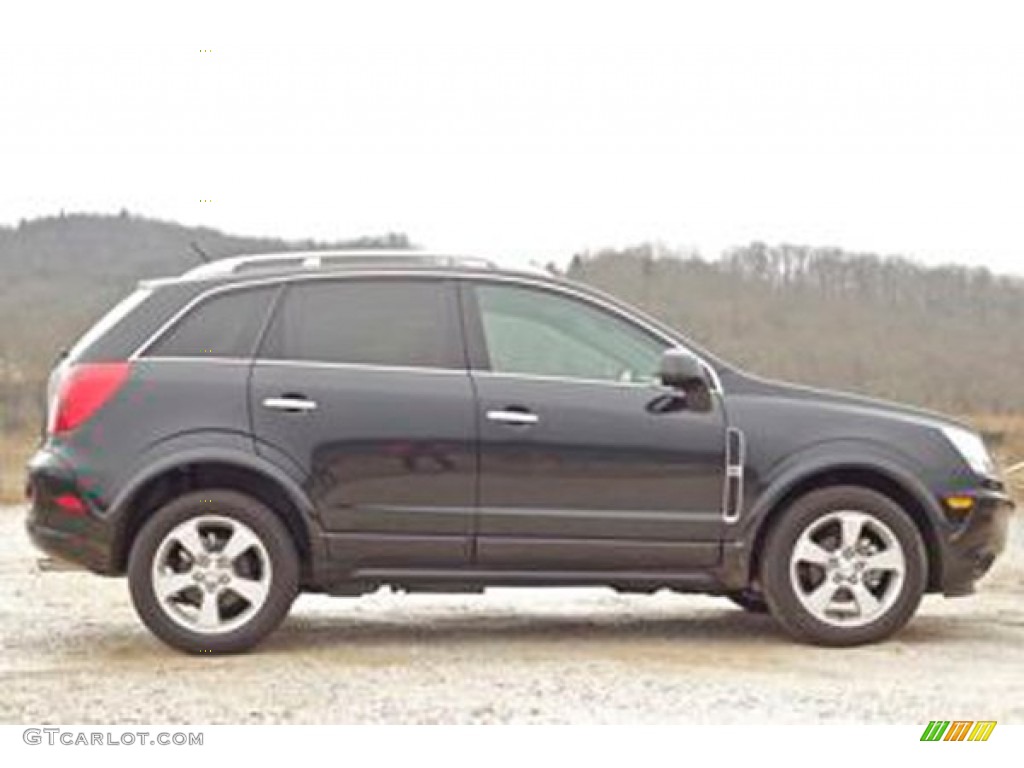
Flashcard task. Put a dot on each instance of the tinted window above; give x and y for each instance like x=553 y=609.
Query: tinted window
x=225 y=325
x=368 y=322
x=120 y=311
x=536 y=332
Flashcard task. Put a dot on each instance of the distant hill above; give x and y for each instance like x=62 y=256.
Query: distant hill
x=59 y=273
x=94 y=247
x=950 y=338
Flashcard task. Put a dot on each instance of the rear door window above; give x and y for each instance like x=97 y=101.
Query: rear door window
x=378 y=322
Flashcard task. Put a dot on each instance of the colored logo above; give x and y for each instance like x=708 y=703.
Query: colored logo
x=958 y=730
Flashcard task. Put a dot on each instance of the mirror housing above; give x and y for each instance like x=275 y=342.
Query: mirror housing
x=680 y=369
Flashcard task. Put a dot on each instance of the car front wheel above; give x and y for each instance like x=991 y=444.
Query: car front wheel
x=213 y=571
x=843 y=566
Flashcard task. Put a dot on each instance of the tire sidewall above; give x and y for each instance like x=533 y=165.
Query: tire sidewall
x=237 y=506
x=780 y=595
x=750 y=600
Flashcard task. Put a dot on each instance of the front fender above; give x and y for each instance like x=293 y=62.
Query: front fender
x=802 y=468
x=841 y=454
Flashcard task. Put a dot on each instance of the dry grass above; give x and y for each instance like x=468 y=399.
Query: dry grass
x=14 y=452
x=1005 y=432
x=1005 y=435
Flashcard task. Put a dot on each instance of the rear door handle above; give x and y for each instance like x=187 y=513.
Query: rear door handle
x=289 y=403
x=519 y=418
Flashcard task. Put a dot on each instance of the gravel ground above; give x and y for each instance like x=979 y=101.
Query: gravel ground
x=72 y=651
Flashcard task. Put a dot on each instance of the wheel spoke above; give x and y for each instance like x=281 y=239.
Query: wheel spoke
x=209 y=611
x=169 y=583
x=852 y=524
x=809 y=551
x=821 y=597
x=253 y=591
x=241 y=540
x=886 y=560
x=188 y=537
x=868 y=604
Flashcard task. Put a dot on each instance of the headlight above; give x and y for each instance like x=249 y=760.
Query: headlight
x=972 y=448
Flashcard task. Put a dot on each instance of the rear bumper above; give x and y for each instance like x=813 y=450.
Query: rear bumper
x=971 y=548
x=83 y=537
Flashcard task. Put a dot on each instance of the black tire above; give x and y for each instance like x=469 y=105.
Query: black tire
x=780 y=592
x=277 y=544
x=750 y=600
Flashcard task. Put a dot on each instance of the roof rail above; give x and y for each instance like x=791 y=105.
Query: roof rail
x=313 y=260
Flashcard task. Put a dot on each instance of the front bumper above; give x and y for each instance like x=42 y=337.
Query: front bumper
x=83 y=537
x=972 y=546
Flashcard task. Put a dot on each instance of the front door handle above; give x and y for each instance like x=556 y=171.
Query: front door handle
x=518 y=418
x=289 y=403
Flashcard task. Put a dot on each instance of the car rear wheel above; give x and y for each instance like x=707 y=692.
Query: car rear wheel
x=843 y=566
x=213 y=572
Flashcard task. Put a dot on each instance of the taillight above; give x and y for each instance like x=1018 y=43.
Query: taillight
x=70 y=503
x=81 y=391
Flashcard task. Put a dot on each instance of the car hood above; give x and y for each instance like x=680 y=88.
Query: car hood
x=743 y=384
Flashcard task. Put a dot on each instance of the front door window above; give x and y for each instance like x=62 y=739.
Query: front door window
x=533 y=332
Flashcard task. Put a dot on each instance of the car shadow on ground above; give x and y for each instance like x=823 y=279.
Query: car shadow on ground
x=723 y=627
x=485 y=627
x=389 y=634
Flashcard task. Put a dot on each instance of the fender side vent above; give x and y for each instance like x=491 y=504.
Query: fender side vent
x=735 y=458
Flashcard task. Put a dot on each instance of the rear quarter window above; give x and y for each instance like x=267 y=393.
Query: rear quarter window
x=222 y=325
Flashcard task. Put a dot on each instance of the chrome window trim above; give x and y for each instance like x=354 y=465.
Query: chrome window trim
x=446 y=274
x=186 y=359
x=256 y=361
x=652 y=385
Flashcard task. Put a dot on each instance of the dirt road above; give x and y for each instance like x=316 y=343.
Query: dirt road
x=72 y=651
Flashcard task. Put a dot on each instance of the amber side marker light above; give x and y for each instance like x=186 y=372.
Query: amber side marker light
x=959 y=506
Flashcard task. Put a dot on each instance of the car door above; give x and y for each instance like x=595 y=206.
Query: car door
x=361 y=383
x=586 y=462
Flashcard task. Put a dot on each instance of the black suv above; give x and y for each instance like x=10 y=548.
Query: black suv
x=336 y=422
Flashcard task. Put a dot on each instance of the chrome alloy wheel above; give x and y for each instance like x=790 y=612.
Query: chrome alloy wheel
x=847 y=568
x=211 y=574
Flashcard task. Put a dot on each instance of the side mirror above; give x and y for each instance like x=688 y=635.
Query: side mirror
x=680 y=369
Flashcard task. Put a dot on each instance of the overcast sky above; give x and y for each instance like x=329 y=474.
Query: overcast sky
x=530 y=130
